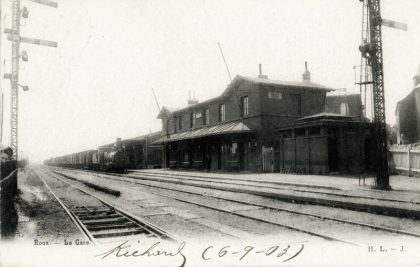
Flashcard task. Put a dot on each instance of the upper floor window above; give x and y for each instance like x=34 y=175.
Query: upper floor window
x=175 y=123
x=180 y=123
x=222 y=112
x=344 y=109
x=296 y=103
x=244 y=106
x=192 y=120
x=167 y=126
x=275 y=95
x=206 y=116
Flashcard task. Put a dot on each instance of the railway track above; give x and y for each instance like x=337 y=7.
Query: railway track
x=324 y=190
x=103 y=222
x=313 y=215
x=337 y=200
x=289 y=227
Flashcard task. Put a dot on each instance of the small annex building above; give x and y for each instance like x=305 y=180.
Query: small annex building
x=325 y=143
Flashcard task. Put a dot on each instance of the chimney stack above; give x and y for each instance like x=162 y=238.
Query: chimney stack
x=416 y=79
x=306 y=75
x=191 y=101
x=261 y=75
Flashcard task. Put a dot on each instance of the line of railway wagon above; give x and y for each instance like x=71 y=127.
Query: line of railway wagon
x=134 y=153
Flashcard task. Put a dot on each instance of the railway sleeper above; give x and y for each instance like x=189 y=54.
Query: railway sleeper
x=110 y=226
x=81 y=214
x=105 y=221
x=111 y=233
x=98 y=216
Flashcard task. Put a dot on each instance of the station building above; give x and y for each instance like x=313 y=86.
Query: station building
x=241 y=129
x=408 y=115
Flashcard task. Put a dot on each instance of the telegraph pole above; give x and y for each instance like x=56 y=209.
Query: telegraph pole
x=16 y=39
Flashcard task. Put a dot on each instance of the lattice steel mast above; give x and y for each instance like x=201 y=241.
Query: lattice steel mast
x=16 y=39
x=372 y=51
x=15 y=77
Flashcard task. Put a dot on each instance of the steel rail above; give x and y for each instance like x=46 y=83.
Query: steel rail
x=329 y=238
x=269 y=187
x=159 y=232
x=75 y=220
x=186 y=177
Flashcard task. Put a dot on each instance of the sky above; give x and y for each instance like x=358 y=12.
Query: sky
x=97 y=84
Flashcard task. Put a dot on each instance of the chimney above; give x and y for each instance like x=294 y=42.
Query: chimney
x=191 y=101
x=118 y=143
x=416 y=79
x=261 y=76
x=306 y=75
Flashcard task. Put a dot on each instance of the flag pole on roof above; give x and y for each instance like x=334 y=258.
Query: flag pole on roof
x=224 y=60
x=157 y=103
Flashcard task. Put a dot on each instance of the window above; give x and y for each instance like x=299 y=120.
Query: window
x=344 y=109
x=315 y=130
x=180 y=123
x=296 y=104
x=167 y=126
x=222 y=115
x=234 y=148
x=192 y=120
x=175 y=122
x=206 y=116
x=244 y=106
x=275 y=95
x=300 y=132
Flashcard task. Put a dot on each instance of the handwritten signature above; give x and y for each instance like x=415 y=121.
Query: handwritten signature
x=122 y=250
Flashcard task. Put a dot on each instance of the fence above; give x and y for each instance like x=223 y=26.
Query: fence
x=405 y=160
x=8 y=186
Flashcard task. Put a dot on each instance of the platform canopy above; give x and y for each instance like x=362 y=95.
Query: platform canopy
x=219 y=129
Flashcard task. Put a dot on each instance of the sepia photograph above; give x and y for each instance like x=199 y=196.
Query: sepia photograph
x=209 y=133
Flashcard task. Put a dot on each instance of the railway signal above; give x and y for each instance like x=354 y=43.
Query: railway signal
x=16 y=39
x=372 y=66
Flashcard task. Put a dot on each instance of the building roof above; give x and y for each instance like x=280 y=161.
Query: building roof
x=326 y=115
x=326 y=118
x=143 y=137
x=151 y=136
x=355 y=95
x=219 y=129
x=304 y=84
x=238 y=78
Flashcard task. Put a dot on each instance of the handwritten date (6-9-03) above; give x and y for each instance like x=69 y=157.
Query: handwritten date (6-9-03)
x=285 y=253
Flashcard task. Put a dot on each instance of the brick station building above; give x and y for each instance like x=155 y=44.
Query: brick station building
x=239 y=129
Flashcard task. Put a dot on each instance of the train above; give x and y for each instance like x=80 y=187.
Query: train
x=120 y=156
